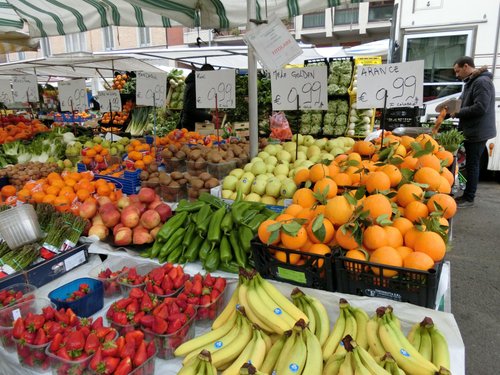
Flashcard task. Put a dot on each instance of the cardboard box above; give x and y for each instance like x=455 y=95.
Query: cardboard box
x=44 y=272
x=205 y=128
x=242 y=129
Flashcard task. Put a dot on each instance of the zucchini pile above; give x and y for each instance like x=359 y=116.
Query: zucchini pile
x=212 y=231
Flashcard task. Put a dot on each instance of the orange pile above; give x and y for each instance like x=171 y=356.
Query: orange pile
x=95 y=154
x=141 y=154
x=179 y=137
x=11 y=133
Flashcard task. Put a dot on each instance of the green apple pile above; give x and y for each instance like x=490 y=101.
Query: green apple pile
x=268 y=177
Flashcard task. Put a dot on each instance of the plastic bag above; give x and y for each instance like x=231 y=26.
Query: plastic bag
x=280 y=129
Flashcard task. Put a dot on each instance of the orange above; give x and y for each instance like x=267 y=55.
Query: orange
x=38 y=196
x=358 y=255
x=377 y=181
x=293 y=209
x=418 y=261
x=284 y=218
x=294 y=242
x=416 y=211
x=99 y=158
x=394 y=236
x=376 y=205
x=409 y=162
x=70 y=182
x=53 y=176
x=61 y=204
x=90 y=153
x=448 y=175
x=444 y=186
x=58 y=183
x=354 y=157
x=364 y=148
x=406 y=141
x=430 y=161
x=320 y=249
x=386 y=255
x=432 y=244
x=302 y=175
x=408 y=193
x=342 y=179
x=445 y=156
x=103 y=190
x=355 y=174
x=139 y=164
x=326 y=186
x=318 y=171
x=97 y=148
x=374 y=237
x=338 y=210
x=333 y=168
x=282 y=257
x=402 y=224
x=428 y=176
x=8 y=191
x=442 y=202
x=104 y=152
x=423 y=139
x=304 y=197
x=326 y=231
x=345 y=239
x=49 y=198
x=24 y=195
x=264 y=234
x=307 y=246
x=393 y=173
x=410 y=237
x=75 y=176
x=306 y=213
x=404 y=251
x=82 y=194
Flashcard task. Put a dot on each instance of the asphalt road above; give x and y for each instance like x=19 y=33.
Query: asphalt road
x=475 y=279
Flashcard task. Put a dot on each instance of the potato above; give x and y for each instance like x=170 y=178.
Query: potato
x=215 y=158
x=165 y=179
x=211 y=183
x=153 y=167
x=195 y=154
x=205 y=176
x=154 y=180
x=180 y=155
x=167 y=154
x=144 y=175
x=176 y=175
x=174 y=184
x=197 y=183
x=172 y=148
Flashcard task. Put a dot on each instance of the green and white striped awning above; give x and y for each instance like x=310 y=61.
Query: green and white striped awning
x=61 y=17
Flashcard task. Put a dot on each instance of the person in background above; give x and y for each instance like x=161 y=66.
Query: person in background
x=190 y=114
x=477 y=120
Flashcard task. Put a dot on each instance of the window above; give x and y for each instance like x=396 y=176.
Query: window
x=144 y=36
x=109 y=38
x=380 y=11
x=439 y=51
x=346 y=16
x=76 y=42
x=45 y=47
x=313 y=20
x=21 y=55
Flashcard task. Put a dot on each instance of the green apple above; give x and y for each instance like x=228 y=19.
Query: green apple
x=263 y=155
x=298 y=137
x=273 y=187
x=269 y=168
x=245 y=182
x=256 y=158
x=233 y=195
x=252 y=197
x=271 y=160
x=226 y=194
x=272 y=149
x=113 y=151
x=321 y=143
x=88 y=144
x=229 y=183
x=281 y=169
x=308 y=140
x=268 y=200
x=284 y=156
x=289 y=147
x=259 y=167
x=97 y=139
x=259 y=186
x=263 y=177
x=237 y=172
x=281 y=177
x=336 y=151
x=313 y=151
x=248 y=167
x=288 y=188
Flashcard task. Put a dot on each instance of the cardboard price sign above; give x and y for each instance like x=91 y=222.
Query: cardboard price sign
x=25 y=89
x=403 y=83
x=215 y=83
x=73 y=95
x=110 y=100
x=5 y=91
x=151 y=89
x=308 y=83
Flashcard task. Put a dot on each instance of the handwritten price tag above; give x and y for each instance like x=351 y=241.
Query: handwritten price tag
x=25 y=89
x=403 y=82
x=5 y=91
x=151 y=89
x=216 y=83
x=308 y=84
x=73 y=95
x=110 y=100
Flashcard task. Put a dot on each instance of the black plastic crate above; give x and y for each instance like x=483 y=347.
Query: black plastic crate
x=318 y=61
x=405 y=116
x=416 y=287
x=308 y=275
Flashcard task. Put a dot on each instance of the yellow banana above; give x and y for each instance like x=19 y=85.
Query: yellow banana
x=368 y=361
x=200 y=341
x=314 y=359
x=359 y=368
x=425 y=347
x=249 y=369
x=230 y=352
x=306 y=309
x=191 y=368
x=228 y=311
x=321 y=317
x=376 y=348
x=440 y=350
x=335 y=336
x=347 y=366
x=210 y=368
x=361 y=321
x=295 y=358
x=281 y=300
x=406 y=356
x=414 y=335
x=267 y=340
x=333 y=364
x=283 y=356
x=390 y=365
x=351 y=329
x=253 y=353
x=273 y=354
x=243 y=300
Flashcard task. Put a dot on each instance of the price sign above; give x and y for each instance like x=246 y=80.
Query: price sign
x=403 y=82
x=109 y=101
x=308 y=83
x=273 y=44
x=151 y=89
x=73 y=95
x=5 y=91
x=212 y=83
x=25 y=89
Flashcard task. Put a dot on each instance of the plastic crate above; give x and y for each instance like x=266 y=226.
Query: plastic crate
x=130 y=183
x=404 y=116
x=416 y=287
x=221 y=170
x=316 y=272
x=84 y=306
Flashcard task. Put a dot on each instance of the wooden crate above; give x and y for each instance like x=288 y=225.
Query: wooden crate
x=205 y=128
x=242 y=129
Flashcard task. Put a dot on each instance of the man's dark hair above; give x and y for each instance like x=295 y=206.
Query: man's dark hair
x=465 y=60
x=207 y=67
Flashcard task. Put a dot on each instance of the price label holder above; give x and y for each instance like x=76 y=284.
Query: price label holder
x=6 y=92
x=73 y=96
x=400 y=84
x=299 y=88
x=151 y=89
x=215 y=88
x=273 y=44
x=25 y=89
x=109 y=100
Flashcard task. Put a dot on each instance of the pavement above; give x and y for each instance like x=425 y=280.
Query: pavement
x=475 y=279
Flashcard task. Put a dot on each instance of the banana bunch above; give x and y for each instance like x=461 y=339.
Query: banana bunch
x=319 y=322
x=390 y=365
x=249 y=369
x=352 y=321
x=265 y=306
x=297 y=351
x=355 y=360
x=200 y=364
x=430 y=342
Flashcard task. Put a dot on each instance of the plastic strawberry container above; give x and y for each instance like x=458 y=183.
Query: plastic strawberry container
x=209 y=312
x=110 y=284
x=26 y=289
x=147 y=368
x=166 y=344
x=122 y=329
x=33 y=356
x=62 y=366
x=142 y=269
x=9 y=315
x=84 y=306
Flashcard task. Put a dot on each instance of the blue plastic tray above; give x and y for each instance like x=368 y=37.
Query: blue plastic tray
x=85 y=306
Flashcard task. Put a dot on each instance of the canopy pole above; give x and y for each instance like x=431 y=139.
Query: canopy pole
x=252 y=85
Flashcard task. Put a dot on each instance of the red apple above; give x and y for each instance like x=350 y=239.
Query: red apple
x=155 y=231
x=165 y=212
x=134 y=198
x=123 y=202
x=123 y=237
x=146 y=195
x=141 y=237
x=97 y=219
x=117 y=227
x=99 y=230
x=130 y=216
x=103 y=200
x=140 y=206
x=108 y=206
x=110 y=217
x=88 y=210
x=150 y=219
x=155 y=203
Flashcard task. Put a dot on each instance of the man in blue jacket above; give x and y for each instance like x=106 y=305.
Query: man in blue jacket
x=477 y=120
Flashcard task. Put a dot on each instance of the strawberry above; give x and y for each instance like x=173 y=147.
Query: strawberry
x=220 y=284
x=208 y=280
x=198 y=277
x=124 y=367
x=72 y=317
x=48 y=312
x=159 y=326
x=121 y=304
x=92 y=343
x=61 y=317
x=140 y=355
x=75 y=341
x=98 y=323
x=214 y=294
x=197 y=288
x=137 y=317
x=161 y=311
x=18 y=329
x=120 y=317
x=167 y=284
x=96 y=360
x=159 y=291
x=193 y=300
x=56 y=342
x=111 y=335
x=147 y=321
x=136 y=336
x=188 y=285
x=110 y=348
x=132 y=308
x=62 y=353
x=173 y=273
x=33 y=322
x=128 y=350
x=146 y=303
x=136 y=293
x=157 y=275
x=84 y=287
x=173 y=308
x=149 y=287
x=174 y=326
x=41 y=337
x=190 y=310
x=102 y=332
x=205 y=300
x=109 y=365
x=151 y=349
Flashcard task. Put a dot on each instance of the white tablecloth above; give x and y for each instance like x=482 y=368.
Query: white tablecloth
x=407 y=313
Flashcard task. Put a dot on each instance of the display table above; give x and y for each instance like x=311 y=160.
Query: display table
x=408 y=314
